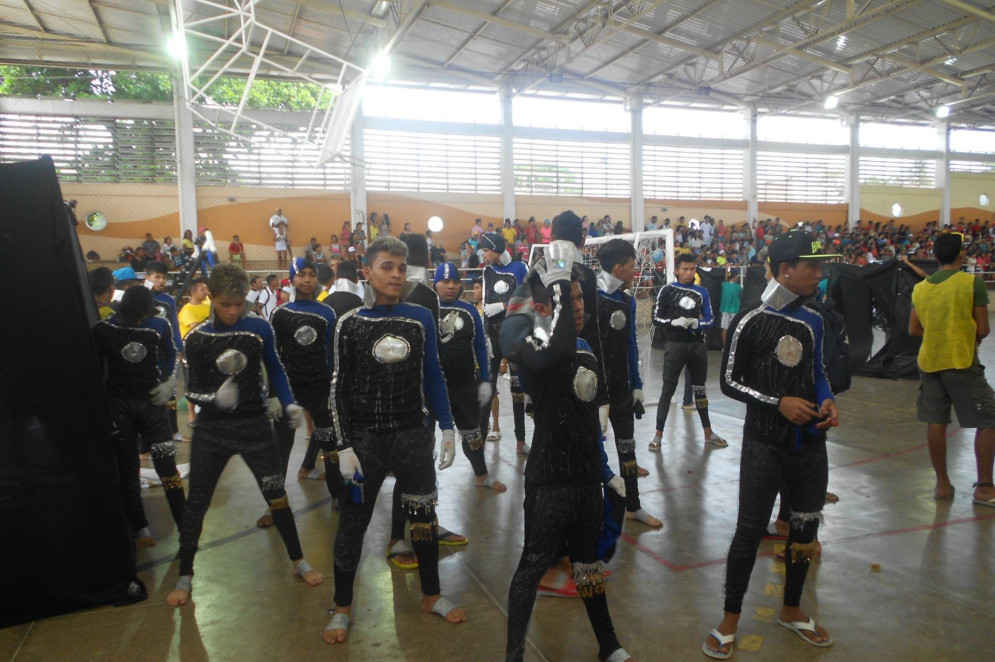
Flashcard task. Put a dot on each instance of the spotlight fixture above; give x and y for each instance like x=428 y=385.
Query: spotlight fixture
x=176 y=46
x=942 y=112
x=831 y=102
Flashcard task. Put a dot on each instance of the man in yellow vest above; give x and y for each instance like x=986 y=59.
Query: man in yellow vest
x=950 y=314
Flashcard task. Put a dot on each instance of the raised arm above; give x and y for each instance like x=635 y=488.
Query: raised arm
x=525 y=348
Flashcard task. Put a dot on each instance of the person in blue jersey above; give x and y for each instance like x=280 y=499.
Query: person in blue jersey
x=304 y=329
x=620 y=353
x=567 y=468
x=500 y=277
x=386 y=371
x=463 y=355
x=136 y=349
x=773 y=363
x=684 y=312
x=156 y=280
x=225 y=357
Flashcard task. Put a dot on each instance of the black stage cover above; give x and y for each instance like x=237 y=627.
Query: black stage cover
x=66 y=542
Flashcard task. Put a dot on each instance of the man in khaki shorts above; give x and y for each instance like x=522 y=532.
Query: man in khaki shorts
x=950 y=314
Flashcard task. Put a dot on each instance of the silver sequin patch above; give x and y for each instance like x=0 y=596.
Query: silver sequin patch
x=134 y=352
x=686 y=302
x=789 y=351
x=585 y=384
x=305 y=335
x=231 y=362
x=617 y=320
x=391 y=349
x=501 y=287
x=449 y=325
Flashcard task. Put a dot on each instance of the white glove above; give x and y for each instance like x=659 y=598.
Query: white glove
x=692 y=322
x=226 y=397
x=274 y=410
x=492 y=309
x=447 y=449
x=163 y=393
x=349 y=464
x=679 y=322
x=484 y=393
x=617 y=484
x=637 y=395
x=560 y=258
x=603 y=417
x=295 y=415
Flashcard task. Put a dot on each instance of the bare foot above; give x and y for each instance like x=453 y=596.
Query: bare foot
x=302 y=473
x=178 y=598
x=144 y=456
x=646 y=519
x=338 y=635
x=265 y=521
x=642 y=473
x=144 y=542
x=455 y=615
x=782 y=527
x=795 y=614
x=312 y=577
x=943 y=492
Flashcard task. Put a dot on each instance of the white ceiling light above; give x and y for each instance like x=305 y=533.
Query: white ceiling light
x=176 y=46
x=831 y=102
x=380 y=66
x=435 y=224
x=841 y=42
x=380 y=9
x=942 y=112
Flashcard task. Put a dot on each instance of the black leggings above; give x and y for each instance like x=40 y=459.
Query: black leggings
x=553 y=514
x=681 y=355
x=408 y=453
x=212 y=445
x=517 y=394
x=135 y=416
x=315 y=401
x=763 y=469
x=621 y=416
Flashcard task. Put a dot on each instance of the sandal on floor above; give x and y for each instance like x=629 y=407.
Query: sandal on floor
x=447 y=537
x=801 y=627
x=656 y=445
x=401 y=550
x=990 y=503
x=717 y=441
x=340 y=621
x=723 y=639
x=495 y=435
x=442 y=607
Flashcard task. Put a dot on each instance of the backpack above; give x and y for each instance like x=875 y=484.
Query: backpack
x=835 y=347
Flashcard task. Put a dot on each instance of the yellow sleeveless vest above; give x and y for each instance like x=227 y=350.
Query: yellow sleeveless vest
x=946 y=311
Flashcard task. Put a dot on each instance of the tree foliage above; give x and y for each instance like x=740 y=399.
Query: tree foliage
x=152 y=86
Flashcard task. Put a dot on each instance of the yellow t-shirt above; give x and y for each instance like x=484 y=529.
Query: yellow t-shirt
x=945 y=309
x=324 y=295
x=509 y=236
x=191 y=315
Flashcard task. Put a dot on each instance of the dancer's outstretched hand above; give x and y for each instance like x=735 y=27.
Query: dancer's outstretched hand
x=447 y=449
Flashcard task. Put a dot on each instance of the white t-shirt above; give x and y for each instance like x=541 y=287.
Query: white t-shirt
x=275 y=219
x=267 y=299
x=252 y=297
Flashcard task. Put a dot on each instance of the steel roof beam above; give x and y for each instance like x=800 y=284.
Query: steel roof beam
x=971 y=9
x=100 y=24
x=34 y=15
x=476 y=33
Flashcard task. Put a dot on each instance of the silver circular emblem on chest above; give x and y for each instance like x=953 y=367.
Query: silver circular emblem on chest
x=617 y=320
x=789 y=351
x=231 y=362
x=391 y=349
x=686 y=302
x=501 y=287
x=134 y=352
x=305 y=335
x=585 y=384
x=162 y=311
x=449 y=325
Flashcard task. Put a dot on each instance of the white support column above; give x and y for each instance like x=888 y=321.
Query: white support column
x=637 y=204
x=943 y=169
x=750 y=167
x=357 y=172
x=186 y=165
x=851 y=187
x=507 y=154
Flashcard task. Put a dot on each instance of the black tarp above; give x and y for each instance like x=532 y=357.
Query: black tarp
x=711 y=280
x=754 y=284
x=66 y=542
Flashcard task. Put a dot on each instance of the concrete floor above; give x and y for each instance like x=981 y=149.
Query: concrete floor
x=931 y=600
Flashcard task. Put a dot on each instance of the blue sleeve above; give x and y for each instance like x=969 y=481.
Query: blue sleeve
x=433 y=383
x=707 y=317
x=822 y=390
x=479 y=343
x=635 y=381
x=520 y=271
x=277 y=375
x=167 y=353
